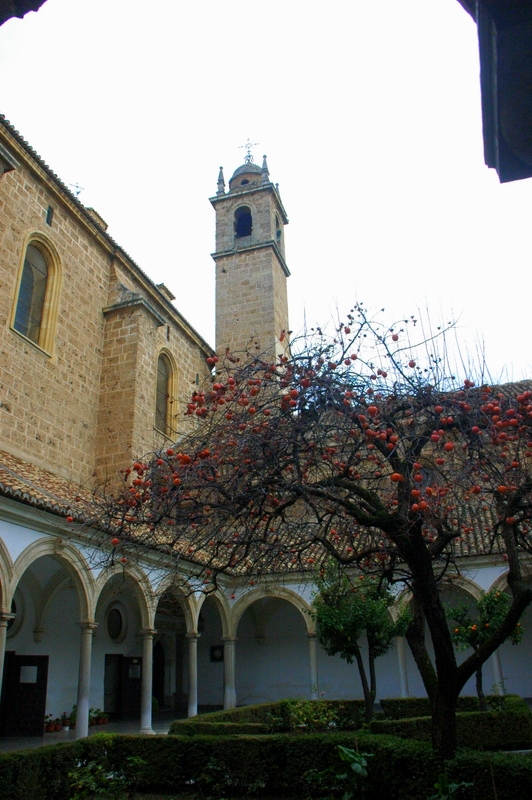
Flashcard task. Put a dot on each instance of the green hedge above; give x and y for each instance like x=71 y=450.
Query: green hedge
x=200 y=727
x=275 y=716
x=216 y=766
x=408 y=707
x=509 y=773
x=276 y=764
x=479 y=730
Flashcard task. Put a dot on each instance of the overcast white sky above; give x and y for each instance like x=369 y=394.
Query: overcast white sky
x=369 y=114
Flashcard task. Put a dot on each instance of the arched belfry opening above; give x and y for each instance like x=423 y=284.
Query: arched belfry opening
x=243 y=222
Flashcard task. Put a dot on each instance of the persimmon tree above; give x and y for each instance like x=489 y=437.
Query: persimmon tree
x=350 y=611
x=358 y=446
x=471 y=627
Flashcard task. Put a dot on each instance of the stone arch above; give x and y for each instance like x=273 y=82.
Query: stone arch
x=6 y=572
x=70 y=557
x=187 y=600
x=460 y=581
x=280 y=593
x=222 y=605
x=140 y=585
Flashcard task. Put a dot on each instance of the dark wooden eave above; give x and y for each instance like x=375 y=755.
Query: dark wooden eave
x=505 y=50
x=17 y=8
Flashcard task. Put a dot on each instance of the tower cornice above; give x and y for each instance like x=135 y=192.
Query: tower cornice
x=257 y=246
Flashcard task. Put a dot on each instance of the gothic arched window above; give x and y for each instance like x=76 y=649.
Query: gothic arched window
x=37 y=298
x=31 y=294
x=164 y=395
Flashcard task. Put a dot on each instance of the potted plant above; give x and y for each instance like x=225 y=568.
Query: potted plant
x=65 y=721
x=58 y=724
x=73 y=715
x=49 y=723
x=103 y=718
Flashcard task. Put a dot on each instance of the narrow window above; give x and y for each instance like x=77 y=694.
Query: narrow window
x=278 y=229
x=243 y=222
x=31 y=296
x=49 y=215
x=163 y=399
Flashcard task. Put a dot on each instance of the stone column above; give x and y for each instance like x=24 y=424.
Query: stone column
x=146 y=691
x=84 y=678
x=192 y=673
x=229 y=672
x=313 y=664
x=4 y=620
x=403 y=672
x=497 y=670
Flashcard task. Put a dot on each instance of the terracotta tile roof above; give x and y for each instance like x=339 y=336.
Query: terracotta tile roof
x=39 y=488
x=23 y=481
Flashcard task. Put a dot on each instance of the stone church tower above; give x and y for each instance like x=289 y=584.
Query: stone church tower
x=251 y=272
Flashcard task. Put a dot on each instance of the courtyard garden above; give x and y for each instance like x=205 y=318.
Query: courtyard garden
x=290 y=749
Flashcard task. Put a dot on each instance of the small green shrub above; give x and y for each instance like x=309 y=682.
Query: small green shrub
x=91 y=779
x=277 y=717
x=347 y=784
x=311 y=715
x=446 y=790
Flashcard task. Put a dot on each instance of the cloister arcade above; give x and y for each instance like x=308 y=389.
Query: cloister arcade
x=118 y=637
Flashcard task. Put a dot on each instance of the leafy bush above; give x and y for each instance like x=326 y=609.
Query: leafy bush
x=408 y=707
x=277 y=717
x=481 y=730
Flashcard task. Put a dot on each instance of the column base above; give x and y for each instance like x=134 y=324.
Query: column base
x=147 y=731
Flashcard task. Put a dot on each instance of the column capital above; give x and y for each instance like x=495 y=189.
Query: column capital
x=5 y=619
x=229 y=639
x=192 y=636
x=312 y=635
x=147 y=633
x=87 y=626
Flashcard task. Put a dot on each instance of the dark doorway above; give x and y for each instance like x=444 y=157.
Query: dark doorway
x=158 y=673
x=122 y=685
x=24 y=687
x=112 y=683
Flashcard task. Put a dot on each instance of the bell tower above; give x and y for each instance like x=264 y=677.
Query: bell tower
x=251 y=272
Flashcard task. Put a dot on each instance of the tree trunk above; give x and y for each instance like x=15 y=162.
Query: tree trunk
x=415 y=636
x=481 y=696
x=425 y=589
x=444 y=723
x=369 y=698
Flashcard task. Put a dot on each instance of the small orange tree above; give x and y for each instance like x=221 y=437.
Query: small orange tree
x=361 y=447
x=471 y=627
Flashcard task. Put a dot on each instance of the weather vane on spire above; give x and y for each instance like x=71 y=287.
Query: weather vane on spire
x=248 y=145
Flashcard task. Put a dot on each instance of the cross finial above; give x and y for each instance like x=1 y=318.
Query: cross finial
x=248 y=145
